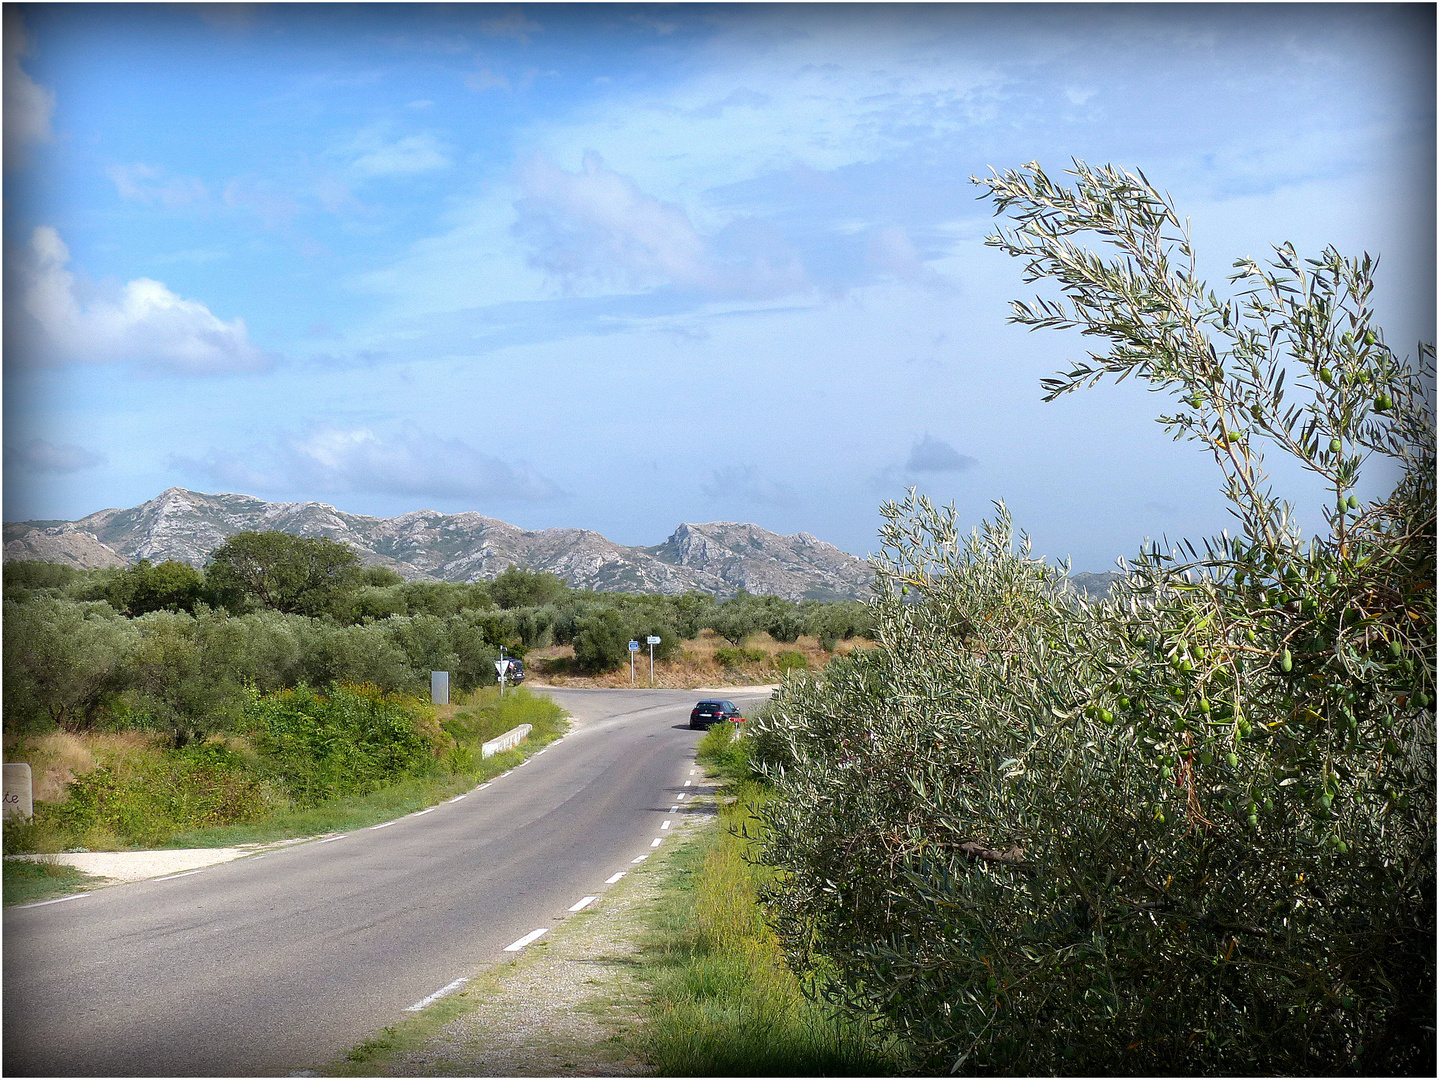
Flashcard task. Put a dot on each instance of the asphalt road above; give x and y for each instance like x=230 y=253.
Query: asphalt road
x=278 y=963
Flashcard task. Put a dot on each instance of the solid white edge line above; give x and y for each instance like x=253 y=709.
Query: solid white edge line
x=531 y=936
x=656 y=841
x=641 y=858
x=57 y=900
x=331 y=839
x=616 y=877
x=172 y=877
x=441 y=992
x=382 y=825
x=584 y=902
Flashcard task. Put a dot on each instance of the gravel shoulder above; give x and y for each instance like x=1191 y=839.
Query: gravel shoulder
x=570 y=1005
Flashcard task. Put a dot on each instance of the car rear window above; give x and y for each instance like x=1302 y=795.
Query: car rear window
x=708 y=705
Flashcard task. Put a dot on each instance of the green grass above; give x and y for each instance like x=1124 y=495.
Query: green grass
x=724 y=1001
x=26 y=882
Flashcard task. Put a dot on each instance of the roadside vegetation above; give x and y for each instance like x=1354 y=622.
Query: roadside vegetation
x=724 y=1002
x=300 y=763
x=1186 y=829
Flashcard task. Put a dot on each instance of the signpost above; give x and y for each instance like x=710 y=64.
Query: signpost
x=653 y=641
x=501 y=667
x=634 y=648
x=439 y=688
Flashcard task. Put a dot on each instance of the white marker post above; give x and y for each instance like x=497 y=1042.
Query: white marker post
x=502 y=666
x=634 y=648
x=653 y=641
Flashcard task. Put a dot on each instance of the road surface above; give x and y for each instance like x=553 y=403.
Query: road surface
x=278 y=963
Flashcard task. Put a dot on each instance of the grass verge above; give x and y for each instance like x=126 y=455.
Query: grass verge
x=724 y=1001
x=27 y=881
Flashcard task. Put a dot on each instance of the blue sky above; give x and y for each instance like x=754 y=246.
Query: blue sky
x=619 y=267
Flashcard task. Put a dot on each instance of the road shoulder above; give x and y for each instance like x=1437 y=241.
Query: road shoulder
x=571 y=1005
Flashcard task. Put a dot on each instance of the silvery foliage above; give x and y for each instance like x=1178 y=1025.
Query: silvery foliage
x=1187 y=828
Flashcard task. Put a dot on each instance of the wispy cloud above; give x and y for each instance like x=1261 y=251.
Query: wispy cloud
x=147 y=184
x=600 y=225
x=936 y=455
x=744 y=484
x=28 y=105
x=42 y=456
x=374 y=154
x=50 y=323
x=410 y=462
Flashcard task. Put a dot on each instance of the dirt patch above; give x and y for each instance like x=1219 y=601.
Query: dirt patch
x=58 y=757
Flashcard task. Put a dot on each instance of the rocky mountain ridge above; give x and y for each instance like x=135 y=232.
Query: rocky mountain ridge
x=719 y=557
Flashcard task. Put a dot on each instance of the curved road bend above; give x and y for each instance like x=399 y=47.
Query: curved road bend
x=280 y=962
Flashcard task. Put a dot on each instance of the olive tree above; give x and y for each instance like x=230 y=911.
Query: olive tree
x=1189 y=828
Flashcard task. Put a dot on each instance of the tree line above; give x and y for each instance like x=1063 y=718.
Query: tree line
x=172 y=647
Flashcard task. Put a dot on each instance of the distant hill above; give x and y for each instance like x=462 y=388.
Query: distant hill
x=720 y=557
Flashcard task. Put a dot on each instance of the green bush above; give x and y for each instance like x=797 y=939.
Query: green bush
x=737 y=655
x=788 y=661
x=346 y=741
x=1187 y=829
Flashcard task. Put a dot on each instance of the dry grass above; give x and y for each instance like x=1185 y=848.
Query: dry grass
x=696 y=666
x=58 y=757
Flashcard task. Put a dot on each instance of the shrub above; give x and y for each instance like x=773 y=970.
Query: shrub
x=347 y=741
x=790 y=660
x=1189 y=828
x=734 y=657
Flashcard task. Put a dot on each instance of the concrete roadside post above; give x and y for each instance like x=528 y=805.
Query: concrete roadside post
x=19 y=791
x=634 y=648
x=439 y=688
x=653 y=641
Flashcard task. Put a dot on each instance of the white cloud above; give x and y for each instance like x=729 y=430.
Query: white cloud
x=143 y=323
x=42 y=456
x=513 y=24
x=376 y=155
x=745 y=484
x=147 y=184
x=598 y=224
x=335 y=460
x=28 y=105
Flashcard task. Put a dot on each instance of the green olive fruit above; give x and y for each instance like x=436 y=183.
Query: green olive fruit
x=1232 y=759
x=1326 y=800
x=1423 y=699
x=1124 y=703
x=1369 y=338
x=1105 y=716
x=1234 y=436
x=1335 y=446
x=1206 y=758
x=1204 y=705
x=1331 y=579
x=1177 y=693
x=1286 y=662
x=1185 y=666
x=904 y=589
x=1194 y=401
x=1326 y=376
x=1352 y=502
x=1245 y=727
x=1382 y=403
x=1249 y=635
x=1341 y=847
x=1254 y=821
x=1395 y=649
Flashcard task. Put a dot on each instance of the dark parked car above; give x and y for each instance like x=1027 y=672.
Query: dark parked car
x=712 y=712
x=516 y=671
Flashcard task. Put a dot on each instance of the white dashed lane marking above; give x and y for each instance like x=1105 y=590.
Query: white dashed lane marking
x=687 y=783
x=639 y=858
x=422 y=813
x=57 y=900
x=441 y=992
x=674 y=809
x=655 y=842
x=583 y=902
x=666 y=825
x=531 y=936
x=172 y=877
x=457 y=798
x=616 y=877
x=382 y=825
